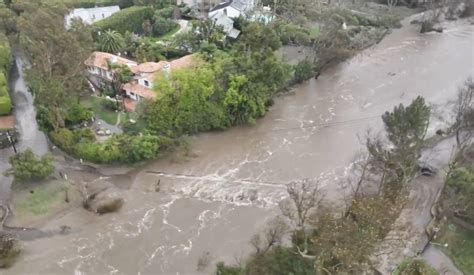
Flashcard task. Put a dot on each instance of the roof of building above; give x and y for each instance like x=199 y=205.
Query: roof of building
x=139 y=90
x=91 y=15
x=101 y=59
x=149 y=67
x=240 y=5
x=223 y=20
x=182 y=62
x=221 y=5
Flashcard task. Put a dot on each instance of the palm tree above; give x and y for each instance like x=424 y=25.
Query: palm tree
x=111 y=41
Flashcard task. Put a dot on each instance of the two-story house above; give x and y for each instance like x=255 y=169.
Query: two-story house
x=99 y=70
x=144 y=75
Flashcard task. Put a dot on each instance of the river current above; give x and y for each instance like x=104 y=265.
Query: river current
x=217 y=200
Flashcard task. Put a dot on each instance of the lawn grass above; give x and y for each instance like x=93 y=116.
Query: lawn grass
x=314 y=32
x=95 y=104
x=167 y=36
x=42 y=200
x=460 y=247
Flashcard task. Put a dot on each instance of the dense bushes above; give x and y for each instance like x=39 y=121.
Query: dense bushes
x=118 y=148
x=77 y=114
x=303 y=70
x=129 y=19
x=185 y=106
x=26 y=166
x=5 y=101
x=5 y=54
x=291 y=33
x=9 y=249
x=5 y=64
x=163 y=25
x=150 y=51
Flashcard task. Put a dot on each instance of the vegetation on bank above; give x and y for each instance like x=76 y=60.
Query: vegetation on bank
x=9 y=249
x=328 y=242
x=26 y=166
x=40 y=200
x=5 y=64
x=234 y=84
x=414 y=265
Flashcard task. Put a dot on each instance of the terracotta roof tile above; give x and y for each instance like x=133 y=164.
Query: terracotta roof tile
x=100 y=59
x=140 y=90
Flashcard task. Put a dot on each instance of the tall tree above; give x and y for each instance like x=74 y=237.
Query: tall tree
x=56 y=55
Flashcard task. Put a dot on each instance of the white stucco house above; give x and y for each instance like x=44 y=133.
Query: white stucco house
x=234 y=8
x=91 y=15
x=226 y=22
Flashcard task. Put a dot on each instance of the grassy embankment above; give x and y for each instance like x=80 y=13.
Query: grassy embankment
x=33 y=202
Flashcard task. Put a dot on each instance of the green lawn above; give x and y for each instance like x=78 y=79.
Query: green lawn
x=314 y=32
x=42 y=200
x=95 y=104
x=460 y=247
x=167 y=36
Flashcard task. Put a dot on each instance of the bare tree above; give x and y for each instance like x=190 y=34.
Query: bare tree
x=464 y=109
x=304 y=196
x=271 y=236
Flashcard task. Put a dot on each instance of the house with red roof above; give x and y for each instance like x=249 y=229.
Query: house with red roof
x=144 y=75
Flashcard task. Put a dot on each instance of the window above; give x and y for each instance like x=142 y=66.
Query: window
x=146 y=83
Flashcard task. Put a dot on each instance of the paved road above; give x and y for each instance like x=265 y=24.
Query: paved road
x=408 y=236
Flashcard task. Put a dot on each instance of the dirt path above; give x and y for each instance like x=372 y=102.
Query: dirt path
x=408 y=236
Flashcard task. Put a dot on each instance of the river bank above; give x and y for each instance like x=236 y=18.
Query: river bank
x=216 y=201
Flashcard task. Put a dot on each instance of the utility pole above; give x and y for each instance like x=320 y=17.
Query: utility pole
x=12 y=142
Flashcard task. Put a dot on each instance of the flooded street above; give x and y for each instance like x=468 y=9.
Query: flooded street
x=216 y=201
x=25 y=116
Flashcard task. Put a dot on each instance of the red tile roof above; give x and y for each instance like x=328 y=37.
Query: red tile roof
x=100 y=60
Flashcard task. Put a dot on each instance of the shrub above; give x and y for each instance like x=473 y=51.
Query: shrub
x=164 y=13
x=43 y=117
x=83 y=135
x=303 y=70
x=5 y=105
x=77 y=114
x=5 y=101
x=129 y=19
x=64 y=139
x=5 y=54
x=109 y=104
x=9 y=249
x=162 y=26
x=26 y=166
x=411 y=266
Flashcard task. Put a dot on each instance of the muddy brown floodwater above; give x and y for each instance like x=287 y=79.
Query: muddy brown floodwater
x=217 y=200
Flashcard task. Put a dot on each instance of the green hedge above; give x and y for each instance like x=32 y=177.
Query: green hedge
x=95 y=3
x=118 y=148
x=130 y=19
x=5 y=54
x=5 y=101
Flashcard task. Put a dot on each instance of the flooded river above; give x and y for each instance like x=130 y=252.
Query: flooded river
x=216 y=201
